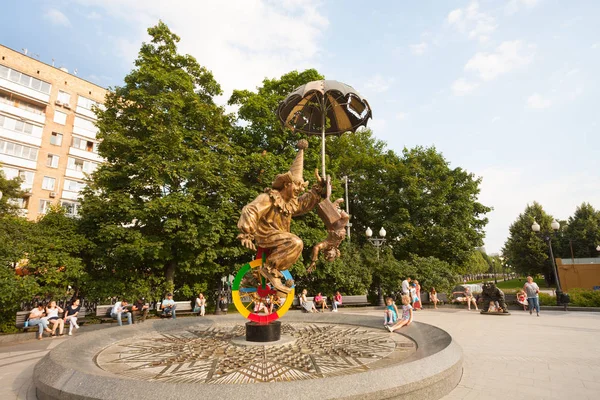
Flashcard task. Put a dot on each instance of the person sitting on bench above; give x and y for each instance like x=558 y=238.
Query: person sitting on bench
x=120 y=309
x=168 y=306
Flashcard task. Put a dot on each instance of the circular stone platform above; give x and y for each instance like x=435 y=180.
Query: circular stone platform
x=323 y=356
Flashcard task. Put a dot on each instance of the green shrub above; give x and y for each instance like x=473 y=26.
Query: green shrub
x=584 y=298
x=547 y=299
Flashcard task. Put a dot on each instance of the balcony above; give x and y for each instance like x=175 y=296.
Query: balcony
x=32 y=139
x=7 y=160
x=24 y=91
x=68 y=195
x=22 y=114
x=88 y=155
x=85 y=112
x=85 y=132
x=71 y=173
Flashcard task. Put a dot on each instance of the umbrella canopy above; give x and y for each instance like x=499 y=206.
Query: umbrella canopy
x=327 y=104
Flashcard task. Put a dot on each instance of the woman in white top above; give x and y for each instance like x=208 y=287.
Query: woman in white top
x=532 y=291
x=308 y=305
x=200 y=307
x=52 y=314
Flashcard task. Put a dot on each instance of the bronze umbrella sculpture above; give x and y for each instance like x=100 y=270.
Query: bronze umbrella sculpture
x=324 y=108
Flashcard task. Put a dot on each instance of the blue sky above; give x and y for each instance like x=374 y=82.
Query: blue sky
x=507 y=90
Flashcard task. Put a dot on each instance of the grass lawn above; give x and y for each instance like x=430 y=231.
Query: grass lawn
x=515 y=283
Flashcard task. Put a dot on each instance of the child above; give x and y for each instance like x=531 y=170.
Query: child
x=433 y=297
x=390 y=313
x=407 y=315
x=522 y=299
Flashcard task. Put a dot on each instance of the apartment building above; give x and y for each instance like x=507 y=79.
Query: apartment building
x=47 y=131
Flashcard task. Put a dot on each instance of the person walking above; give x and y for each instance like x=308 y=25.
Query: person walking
x=433 y=298
x=533 y=292
x=406 y=286
x=417 y=305
x=71 y=315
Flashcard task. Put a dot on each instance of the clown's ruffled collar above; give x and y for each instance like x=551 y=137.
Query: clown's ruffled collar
x=286 y=207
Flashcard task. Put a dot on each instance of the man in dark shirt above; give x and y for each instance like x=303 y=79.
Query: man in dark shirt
x=71 y=314
x=140 y=308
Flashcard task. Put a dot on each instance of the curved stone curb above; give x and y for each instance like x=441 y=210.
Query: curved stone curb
x=69 y=371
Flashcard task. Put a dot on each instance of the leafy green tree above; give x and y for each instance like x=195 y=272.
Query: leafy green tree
x=581 y=233
x=527 y=251
x=165 y=200
x=431 y=272
x=475 y=264
x=10 y=189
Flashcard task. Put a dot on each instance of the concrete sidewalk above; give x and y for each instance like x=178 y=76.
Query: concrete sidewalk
x=555 y=356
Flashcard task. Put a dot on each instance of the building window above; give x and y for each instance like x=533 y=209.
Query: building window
x=23 y=127
x=60 y=117
x=26 y=176
x=52 y=161
x=84 y=144
x=74 y=186
x=86 y=103
x=45 y=206
x=71 y=208
x=17 y=150
x=48 y=183
x=25 y=80
x=76 y=164
x=16 y=125
x=56 y=139
x=64 y=97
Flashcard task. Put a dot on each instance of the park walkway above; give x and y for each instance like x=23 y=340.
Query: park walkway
x=512 y=357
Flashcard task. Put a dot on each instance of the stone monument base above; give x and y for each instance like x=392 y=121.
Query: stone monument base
x=256 y=332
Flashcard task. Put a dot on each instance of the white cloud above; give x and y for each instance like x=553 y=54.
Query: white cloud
x=377 y=124
x=471 y=21
x=495 y=119
x=538 y=102
x=596 y=45
x=514 y=6
x=461 y=87
x=93 y=15
x=241 y=42
x=378 y=84
x=56 y=17
x=401 y=116
x=419 y=48
x=507 y=57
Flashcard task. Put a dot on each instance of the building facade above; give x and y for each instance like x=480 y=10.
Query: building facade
x=47 y=131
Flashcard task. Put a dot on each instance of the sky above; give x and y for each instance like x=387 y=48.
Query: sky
x=507 y=90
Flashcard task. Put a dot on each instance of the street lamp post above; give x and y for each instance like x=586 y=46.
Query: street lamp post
x=559 y=294
x=377 y=242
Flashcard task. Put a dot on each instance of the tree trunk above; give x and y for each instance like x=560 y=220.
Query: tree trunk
x=170 y=274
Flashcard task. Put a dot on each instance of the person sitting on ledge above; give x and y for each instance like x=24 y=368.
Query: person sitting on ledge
x=407 y=315
x=118 y=310
x=168 y=306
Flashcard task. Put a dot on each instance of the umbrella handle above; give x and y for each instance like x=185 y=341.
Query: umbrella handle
x=323 y=121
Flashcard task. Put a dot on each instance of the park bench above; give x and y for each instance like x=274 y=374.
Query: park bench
x=358 y=300
x=181 y=308
x=442 y=298
x=21 y=317
x=103 y=313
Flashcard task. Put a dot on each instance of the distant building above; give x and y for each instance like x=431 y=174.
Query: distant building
x=47 y=131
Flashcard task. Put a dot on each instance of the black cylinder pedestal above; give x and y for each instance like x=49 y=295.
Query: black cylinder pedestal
x=256 y=332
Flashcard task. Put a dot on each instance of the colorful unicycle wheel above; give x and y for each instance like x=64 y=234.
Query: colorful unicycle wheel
x=250 y=292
